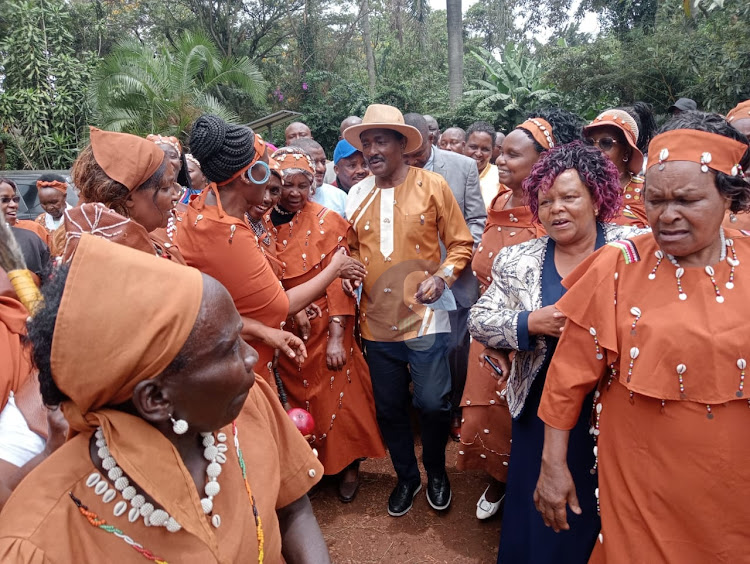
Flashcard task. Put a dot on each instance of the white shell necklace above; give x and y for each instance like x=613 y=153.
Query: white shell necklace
x=139 y=507
x=709 y=270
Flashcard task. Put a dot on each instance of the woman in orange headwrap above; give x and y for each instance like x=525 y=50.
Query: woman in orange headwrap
x=215 y=237
x=152 y=471
x=334 y=382
x=655 y=329
x=509 y=222
x=52 y=190
x=131 y=176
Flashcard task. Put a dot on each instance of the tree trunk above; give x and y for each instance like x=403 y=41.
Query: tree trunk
x=366 y=39
x=455 y=51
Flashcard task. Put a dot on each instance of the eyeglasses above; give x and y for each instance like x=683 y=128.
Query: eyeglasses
x=604 y=143
x=9 y=199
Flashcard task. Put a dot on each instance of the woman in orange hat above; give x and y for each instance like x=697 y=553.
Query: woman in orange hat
x=158 y=466
x=739 y=118
x=652 y=331
x=615 y=132
x=132 y=177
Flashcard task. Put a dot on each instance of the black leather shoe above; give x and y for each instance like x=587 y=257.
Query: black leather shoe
x=439 y=491
x=402 y=498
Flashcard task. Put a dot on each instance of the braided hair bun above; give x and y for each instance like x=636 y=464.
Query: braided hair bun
x=222 y=148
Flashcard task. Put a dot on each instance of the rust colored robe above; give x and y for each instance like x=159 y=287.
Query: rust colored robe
x=486 y=421
x=226 y=248
x=633 y=211
x=341 y=403
x=41 y=524
x=673 y=461
x=15 y=360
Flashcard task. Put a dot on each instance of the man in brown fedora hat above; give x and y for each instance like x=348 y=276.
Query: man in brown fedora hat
x=399 y=215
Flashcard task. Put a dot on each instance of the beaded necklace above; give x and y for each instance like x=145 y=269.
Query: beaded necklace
x=160 y=517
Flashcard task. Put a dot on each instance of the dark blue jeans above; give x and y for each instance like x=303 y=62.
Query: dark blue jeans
x=424 y=361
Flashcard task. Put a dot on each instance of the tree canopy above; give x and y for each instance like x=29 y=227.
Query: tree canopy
x=147 y=66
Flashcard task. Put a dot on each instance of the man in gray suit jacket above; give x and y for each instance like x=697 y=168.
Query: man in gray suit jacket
x=461 y=174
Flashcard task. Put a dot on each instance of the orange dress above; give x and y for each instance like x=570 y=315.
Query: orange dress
x=227 y=248
x=736 y=221
x=633 y=211
x=486 y=421
x=40 y=524
x=671 y=415
x=341 y=402
x=15 y=366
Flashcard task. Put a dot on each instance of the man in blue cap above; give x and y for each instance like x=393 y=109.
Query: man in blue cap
x=349 y=165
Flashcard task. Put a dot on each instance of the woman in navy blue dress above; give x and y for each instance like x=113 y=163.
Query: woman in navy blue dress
x=573 y=190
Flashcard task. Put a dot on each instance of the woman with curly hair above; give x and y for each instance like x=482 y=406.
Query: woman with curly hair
x=573 y=192
x=652 y=333
x=485 y=425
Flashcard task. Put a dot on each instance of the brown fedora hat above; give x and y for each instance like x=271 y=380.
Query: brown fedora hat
x=380 y=116
x=623 y=121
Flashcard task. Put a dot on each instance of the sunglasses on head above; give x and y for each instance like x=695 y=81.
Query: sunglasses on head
x=9 y=199
x=604 y=143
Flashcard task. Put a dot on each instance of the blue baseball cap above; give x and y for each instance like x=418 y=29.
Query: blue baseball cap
x=343 y=149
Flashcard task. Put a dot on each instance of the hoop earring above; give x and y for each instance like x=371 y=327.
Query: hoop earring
x=179 y=426
x=625 y=159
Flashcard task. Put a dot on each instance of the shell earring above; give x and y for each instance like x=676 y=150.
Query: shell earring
x=179 y=426
x=625 y=159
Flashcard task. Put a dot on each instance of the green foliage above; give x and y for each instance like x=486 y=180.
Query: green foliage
x=512 y=86
x=42 y=95
x=142 y=91
x=705 y=58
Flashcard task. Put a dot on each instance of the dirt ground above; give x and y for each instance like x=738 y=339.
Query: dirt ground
x=362 y=532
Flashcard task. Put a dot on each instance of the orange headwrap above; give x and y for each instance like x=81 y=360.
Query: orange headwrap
x=128 y=159
x=740 y=111
x=56 y=184
x=123 y=318
x=293 y=160
x=540 y=130
x=164 y=140
x=709 y=150
x=274 y=165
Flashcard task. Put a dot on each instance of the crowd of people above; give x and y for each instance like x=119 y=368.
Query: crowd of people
x=189 y=349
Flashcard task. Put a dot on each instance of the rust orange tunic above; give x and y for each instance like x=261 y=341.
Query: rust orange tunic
x=341 y=403
x=483 y=405
x=15 y=363
x=227 y=249
x=673 y=447
x=633 y=211
x=55 y=238
x=40 y=523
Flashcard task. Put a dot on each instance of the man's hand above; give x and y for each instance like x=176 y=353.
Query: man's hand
x=430 y=290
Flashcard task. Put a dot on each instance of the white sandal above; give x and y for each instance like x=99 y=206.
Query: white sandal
x=486 y=509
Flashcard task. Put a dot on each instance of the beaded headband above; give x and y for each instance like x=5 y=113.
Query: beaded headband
x=171 y=141
x=690 y=145
x=294 y=161
x=275 y=167
x=56 y=184
x=740 y=111
x=540 y=130
x=192 y=159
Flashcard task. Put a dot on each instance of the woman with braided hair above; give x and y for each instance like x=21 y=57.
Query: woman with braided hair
x=215 y=236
